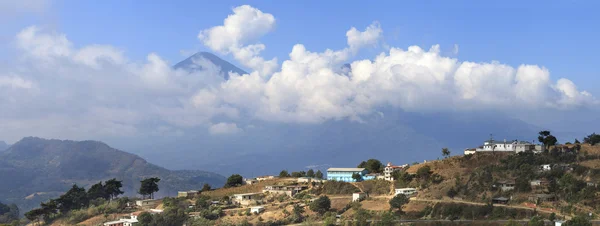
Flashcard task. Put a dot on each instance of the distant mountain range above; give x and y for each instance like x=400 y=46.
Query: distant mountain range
x=3 y=146
x=192 y=64
x=35 y=169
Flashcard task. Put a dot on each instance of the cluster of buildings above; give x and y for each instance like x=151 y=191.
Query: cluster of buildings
x=515 y=146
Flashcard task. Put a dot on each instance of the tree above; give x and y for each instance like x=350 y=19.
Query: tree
x=361 y=217
x=522 y=184
x=579 y=221
x=97 y=191
x=424 y=172
x=234 y=180
x=452 y=192
x=321 y=205
x=112 y=188
x=206 y=187
x=298 y=174
x=310 y=173
x=592 y=139
x=144 y=219
x=372 y=165
x=202 y=202
x=387 y=218
x=445 y=152
x=284 y=173
x=319 y=174
x=74 y=198
x=577 y=142
x=536 y=221
x=8 y=213
x=546 y=138
x=34 y=214
x=552 y=217
x=398 y=201
x=357 y=177
x=298 y=211
x=148 y=187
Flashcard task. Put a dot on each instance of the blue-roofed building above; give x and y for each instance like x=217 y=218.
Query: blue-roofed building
x=345 y=174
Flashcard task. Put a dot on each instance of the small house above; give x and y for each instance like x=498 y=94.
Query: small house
x=500 y=200
x=358 y=196
x=542 y=198
x=285 y=190
x=539 y=183
x=249 y=181
x=246 y=199
x=559 y=223
x=147 y=203
x=124 y=221
x=405 y=191
x=304 y=179
x=187 y=194
x=257 y=209
x=506 y=185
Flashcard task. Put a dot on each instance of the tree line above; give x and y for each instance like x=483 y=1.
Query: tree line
x=76 y=198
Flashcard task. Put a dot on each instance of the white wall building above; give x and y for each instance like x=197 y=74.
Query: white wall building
x=504 y=146
x=358 y=196
x=405 y=191
x=390 y=169
x=514 y=146
x=256 y=209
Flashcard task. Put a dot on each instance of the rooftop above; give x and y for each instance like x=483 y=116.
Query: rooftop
x=345 y=169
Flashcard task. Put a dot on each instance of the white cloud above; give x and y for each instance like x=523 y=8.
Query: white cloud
x=244 y=26
x=15 y=82
x=43 y=45
x=358 y=39
x=224 y=128
x=95 y=90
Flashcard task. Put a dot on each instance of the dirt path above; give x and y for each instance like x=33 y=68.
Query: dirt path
x=483 y=204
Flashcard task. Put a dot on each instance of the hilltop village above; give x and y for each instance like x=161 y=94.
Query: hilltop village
x=498 y=183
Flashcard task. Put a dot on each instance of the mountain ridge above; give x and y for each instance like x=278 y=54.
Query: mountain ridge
x=190 y=64
x=47 y=167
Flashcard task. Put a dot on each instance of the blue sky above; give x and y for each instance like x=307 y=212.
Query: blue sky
x=56 y=73
x=559 y=35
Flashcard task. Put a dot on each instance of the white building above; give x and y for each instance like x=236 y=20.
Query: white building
x=545 y=167
x=124 y=221
x=263 y=178
x=147 y=203
x=358 y=196
x=390 y=169
x=249 y=181
x=405 y=191
x=514 y=146
x=504 y=146
x=256 y=209
x=246 y=199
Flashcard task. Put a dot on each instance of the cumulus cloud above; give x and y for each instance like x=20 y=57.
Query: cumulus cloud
x=358 y=39
x=224 y=128
x=95 y=90
x=244 y=26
